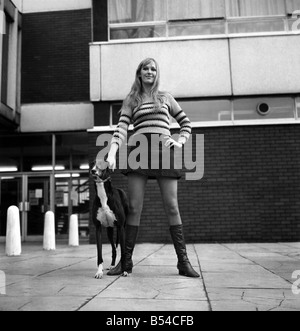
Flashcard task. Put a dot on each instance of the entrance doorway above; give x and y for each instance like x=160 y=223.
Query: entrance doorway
x=34 y=195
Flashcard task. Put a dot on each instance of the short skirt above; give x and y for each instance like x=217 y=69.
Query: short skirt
x=148 y=156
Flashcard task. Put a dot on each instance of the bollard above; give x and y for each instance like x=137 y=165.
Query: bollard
x=49 y=232
x=73 y=231
x=2 y=283
x=13 y=232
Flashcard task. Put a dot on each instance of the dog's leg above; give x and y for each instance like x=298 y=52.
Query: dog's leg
x=110 y=235
x=99 y=273
x=122 y=244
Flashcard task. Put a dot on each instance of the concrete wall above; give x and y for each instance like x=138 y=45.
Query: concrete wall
x=265 y=65
x=57 y=117
x=189 y=68
x=200 y=68
x=33 y=6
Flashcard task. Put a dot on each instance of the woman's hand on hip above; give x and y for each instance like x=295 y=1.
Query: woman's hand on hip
x=172 y=143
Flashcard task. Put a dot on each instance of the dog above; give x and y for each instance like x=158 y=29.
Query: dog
x=110 y=209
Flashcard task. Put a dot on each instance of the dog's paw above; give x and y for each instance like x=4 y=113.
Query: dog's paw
x=99 y=274
x=125 y=274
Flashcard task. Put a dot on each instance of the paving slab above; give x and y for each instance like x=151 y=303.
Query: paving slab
x=98 y=304
x=234 y=277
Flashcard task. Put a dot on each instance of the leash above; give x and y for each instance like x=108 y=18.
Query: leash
x=103 y=181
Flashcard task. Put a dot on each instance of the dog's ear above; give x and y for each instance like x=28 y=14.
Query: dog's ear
x=92 y=164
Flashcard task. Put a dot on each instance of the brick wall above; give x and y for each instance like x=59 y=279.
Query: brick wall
x=55 y=56
x=250 y=191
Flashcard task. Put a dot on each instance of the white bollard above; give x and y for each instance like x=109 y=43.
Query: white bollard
x=73 y=231
x=13 y=232
x=49 y=232
x=2 y=283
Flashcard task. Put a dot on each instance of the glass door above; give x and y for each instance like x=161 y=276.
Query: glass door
x=10 y=195
x=72 y=197
x=36 y=204
x=32 y=195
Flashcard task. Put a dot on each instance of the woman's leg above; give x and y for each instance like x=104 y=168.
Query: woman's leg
x=168 y=187
x=136 y=191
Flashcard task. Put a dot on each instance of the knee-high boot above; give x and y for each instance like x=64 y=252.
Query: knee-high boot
x=184 y=265
x=126 y=264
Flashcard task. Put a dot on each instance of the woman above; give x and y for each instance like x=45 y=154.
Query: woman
x=149 y=110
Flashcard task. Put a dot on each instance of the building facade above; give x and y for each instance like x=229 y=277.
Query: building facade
x=44 y=149
x=233 y=67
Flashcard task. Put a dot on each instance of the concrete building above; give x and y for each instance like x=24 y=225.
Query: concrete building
x=231 y=64
x=48 y=112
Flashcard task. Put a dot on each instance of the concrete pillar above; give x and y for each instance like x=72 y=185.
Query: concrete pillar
x=49 y=232
x=73 y=231
x=13 y=232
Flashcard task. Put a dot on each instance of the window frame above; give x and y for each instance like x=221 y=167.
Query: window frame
x=264 y=120
x=227 y=20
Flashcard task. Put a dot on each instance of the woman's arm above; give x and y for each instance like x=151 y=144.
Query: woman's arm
x=182 y=119
x=120 y=135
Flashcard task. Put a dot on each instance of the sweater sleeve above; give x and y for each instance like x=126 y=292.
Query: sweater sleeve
x=181 y=118
x=121 y=131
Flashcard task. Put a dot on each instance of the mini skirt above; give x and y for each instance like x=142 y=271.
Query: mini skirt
x=148 y=156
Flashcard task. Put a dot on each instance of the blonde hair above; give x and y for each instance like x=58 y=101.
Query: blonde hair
x=134 y=99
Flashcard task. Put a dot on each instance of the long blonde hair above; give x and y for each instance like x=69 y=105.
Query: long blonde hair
x=134 y=99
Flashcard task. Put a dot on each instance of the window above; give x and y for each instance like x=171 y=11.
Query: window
x=193 y=9
x=255 y=7
x=131 y=19
x=153 y=18
x=142 y=18
x=234 y=111
x=298 y=108
x=292 y=5
x=205 y=111
x=115 y=113
x=5 y=59
x=278 y=108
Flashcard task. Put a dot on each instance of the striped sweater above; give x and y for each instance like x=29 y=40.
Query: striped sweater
x=147 y=119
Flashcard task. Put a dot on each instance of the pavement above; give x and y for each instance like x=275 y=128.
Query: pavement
x=234 y=277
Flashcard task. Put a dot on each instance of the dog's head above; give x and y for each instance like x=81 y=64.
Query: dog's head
x=100 y=171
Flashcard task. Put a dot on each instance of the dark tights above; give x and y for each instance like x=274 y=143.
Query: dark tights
x=136 y=191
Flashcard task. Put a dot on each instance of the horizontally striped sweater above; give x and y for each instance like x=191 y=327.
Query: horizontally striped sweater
x=147 y=119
